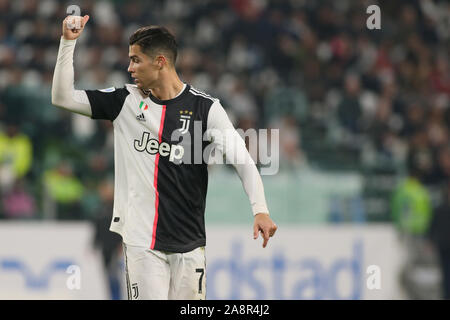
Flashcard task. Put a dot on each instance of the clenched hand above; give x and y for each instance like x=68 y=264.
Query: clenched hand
x=73 y=26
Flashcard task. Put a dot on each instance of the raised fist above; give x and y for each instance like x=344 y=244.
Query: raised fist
x=73 y=26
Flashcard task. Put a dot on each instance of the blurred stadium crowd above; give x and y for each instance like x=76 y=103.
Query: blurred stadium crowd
x=344 y=97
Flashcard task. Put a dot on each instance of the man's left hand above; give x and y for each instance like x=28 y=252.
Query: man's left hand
x=265 y=225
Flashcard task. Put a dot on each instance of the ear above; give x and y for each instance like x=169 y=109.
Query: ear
x=160 y=61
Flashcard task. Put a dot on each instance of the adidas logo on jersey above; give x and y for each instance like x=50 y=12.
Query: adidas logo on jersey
x=140 y=117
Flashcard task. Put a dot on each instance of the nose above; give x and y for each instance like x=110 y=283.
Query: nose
x=130 y=67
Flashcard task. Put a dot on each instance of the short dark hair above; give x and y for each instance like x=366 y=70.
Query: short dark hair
x=155 y=39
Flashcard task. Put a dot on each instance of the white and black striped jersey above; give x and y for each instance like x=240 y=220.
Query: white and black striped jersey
x=160 y=189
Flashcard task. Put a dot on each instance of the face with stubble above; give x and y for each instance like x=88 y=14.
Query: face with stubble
x=144 y=69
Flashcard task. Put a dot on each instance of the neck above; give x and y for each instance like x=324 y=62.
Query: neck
x=168 y=88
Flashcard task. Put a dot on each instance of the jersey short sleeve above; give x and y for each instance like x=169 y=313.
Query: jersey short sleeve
x=107 y=103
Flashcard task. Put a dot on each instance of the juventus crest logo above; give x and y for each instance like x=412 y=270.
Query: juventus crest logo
x=135 y=288
x=185 y=118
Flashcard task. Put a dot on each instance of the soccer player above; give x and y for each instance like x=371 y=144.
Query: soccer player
x=160 y=194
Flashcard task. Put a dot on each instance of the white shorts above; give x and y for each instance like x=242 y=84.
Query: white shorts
x=157 y=275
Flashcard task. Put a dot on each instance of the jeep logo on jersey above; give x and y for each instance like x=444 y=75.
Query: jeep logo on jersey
x=152 y=146
x=185 y=118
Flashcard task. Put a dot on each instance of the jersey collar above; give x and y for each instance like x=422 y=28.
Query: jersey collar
x=165 y=102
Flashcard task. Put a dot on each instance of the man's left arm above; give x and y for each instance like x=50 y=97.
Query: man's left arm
x=231 y=144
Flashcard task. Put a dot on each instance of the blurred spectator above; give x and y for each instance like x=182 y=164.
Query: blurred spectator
x=65 y=190
x=18 y=203
x=389 y=147
x=440 y=77
x=286 y=102
x=444 y=163
x=15 y=155
x=109 y=243
x=422 y=155
x=291 y=155
x=415 y=115
x=411 y=205
x=349 y=109
x=241 y=103
x=411 y=214
x=440 y=235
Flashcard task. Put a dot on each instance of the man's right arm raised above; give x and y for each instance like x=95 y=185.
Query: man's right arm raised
x=64 y=94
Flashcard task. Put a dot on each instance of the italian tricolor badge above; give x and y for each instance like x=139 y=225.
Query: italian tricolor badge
x=142 y=105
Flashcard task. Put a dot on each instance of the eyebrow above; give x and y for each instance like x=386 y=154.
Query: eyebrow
x=133 y=56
